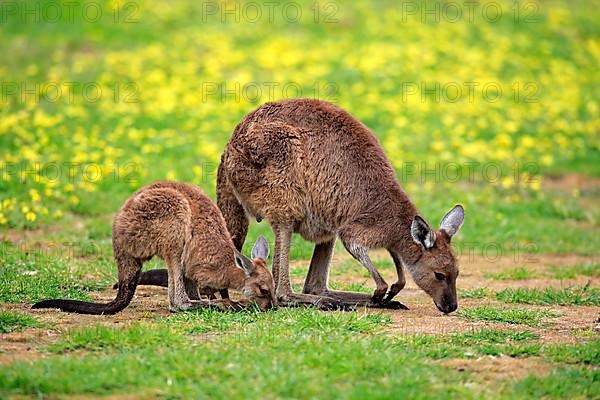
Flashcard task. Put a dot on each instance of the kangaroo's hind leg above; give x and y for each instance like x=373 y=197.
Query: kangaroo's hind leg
x=318 y=272
x=317 y=278
x=179 y=300
x=284 y=291
x=178 y=297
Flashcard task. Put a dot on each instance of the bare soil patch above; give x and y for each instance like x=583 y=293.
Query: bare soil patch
x=568 y=182
x=490 y=369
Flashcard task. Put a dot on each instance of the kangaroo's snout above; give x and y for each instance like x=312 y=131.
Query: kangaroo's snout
x=447 y=308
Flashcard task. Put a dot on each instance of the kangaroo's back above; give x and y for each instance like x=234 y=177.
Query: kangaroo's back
x=309 y=162
x=167 y=214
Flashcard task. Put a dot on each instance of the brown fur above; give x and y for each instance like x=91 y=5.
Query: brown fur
x=309 y=167
x=178 y=223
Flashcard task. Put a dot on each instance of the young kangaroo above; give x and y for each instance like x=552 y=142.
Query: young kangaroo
x=309 y=167
x=178 y=223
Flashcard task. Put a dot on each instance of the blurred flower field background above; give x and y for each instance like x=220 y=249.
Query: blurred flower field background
x=493 y=104
x=499 y=114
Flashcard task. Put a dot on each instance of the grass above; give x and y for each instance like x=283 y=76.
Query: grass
x=11 y=321
x=30 y=275
x=573 y=271
x=477 y=343
x=341 y=354
x=475 y=293
x=556 y=272
x=349 y=361
x=102 y=338
x=352 y=286
x=561 y=383
x=18 y=287
x=514 y=274
x=254 y=367
x=347 y=266
x=586 y=295
x=503 y=342
x=493 y=336
x=338 y=353
x=517 y=316
x=572 y=295
x=586 y=352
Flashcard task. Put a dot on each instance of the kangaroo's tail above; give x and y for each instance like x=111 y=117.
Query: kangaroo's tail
x=129 y=271
x=232 y=210
x=154 y=277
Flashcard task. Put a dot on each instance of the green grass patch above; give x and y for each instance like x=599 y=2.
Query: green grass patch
x=348 y=266
x=584 y=332
x=29 y=276
x=293 y=354
x=587 y=352
x=12 y=321
x=514 y=274
x=20 y=286
x=475 y=293
x=517 y=350
x=488 y=341
x=201 y=321
x=383 y=264
x=572 y=295
x=304 y=320
x=502 y=342
x=352 y=287
x=518 y=316
x=555 y=272
x=492 y=336
x=573 y=271
x=101 y=338
x=300 y=271
x=561 y=383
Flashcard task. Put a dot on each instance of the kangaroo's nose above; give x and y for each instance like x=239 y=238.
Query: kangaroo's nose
x=447 y=308
x=452 y=307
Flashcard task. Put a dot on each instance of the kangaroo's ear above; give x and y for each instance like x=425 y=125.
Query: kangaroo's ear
x=261 y=249
x=453 y=220
x=422 y=233
x=243 y=263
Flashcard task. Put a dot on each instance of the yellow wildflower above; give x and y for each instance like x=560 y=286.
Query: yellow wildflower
x=35 y=196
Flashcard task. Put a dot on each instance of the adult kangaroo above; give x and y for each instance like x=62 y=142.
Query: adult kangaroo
x=307 y=166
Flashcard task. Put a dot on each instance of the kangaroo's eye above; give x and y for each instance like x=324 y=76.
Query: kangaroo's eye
x=440 y=277
x=264 y=292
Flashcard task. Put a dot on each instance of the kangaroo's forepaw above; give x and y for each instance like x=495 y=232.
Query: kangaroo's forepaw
x=390 y=305
x=378 y=295
x=388 y=302
x=320 y=302
x=393 y=305
x=228 y=304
